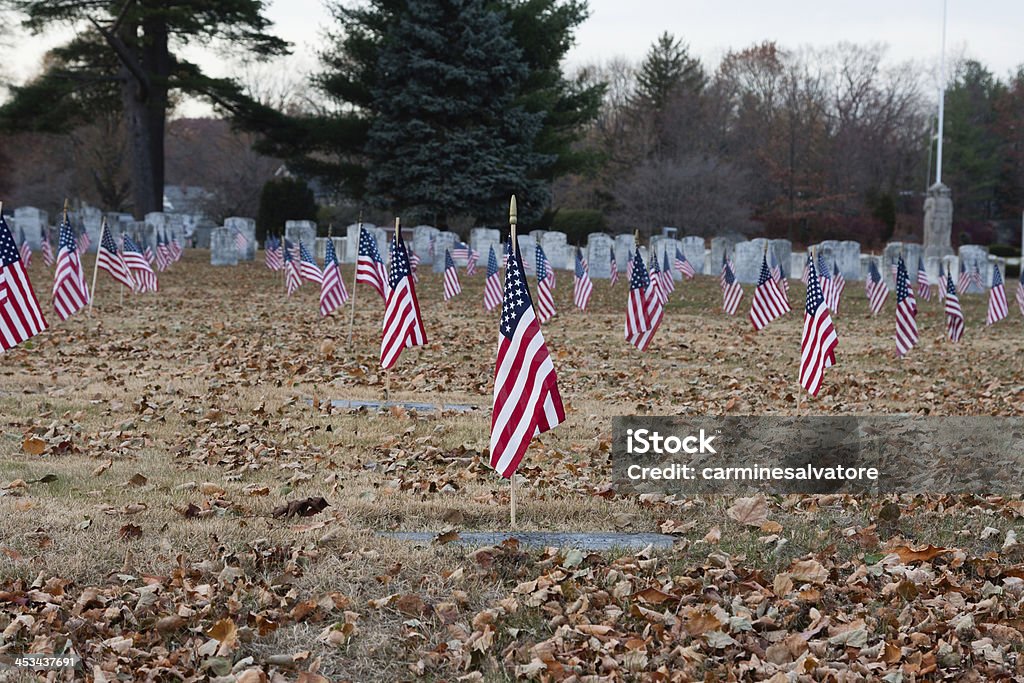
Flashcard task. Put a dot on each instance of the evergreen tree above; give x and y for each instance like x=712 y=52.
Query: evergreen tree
x=366 y=67
x=448 y=137
x=123 y=58
x=667 y=68
x=284 y=199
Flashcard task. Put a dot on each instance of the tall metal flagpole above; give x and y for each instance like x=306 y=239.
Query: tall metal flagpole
x=942 y=95
x=512 y=220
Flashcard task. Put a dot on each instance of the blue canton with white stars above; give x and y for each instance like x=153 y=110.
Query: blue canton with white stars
x=902 y=288
x=765 y=274
x=579 y=264
x=542 y=264
x=67 y=237
x=288 y=251
x=331 y=257
x=8 y=250
x=399 y=262
x=997 y=278
x=822 y=268
x=517 y=296
x=814 y=297
x=449 y=262
x=107 y=241
x=368 y=246
x=492 y=263
x=639 y=279
x=729 y=277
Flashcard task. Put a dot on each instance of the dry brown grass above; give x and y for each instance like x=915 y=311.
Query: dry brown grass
x=209 y=382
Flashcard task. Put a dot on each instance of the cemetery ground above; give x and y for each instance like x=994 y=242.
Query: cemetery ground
x=150 y=453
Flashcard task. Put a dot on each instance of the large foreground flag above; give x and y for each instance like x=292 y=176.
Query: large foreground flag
x=403 y=324
x=819 y=341
x=108 y=258
x=492 y=288
x=333 y=294
x=20 y=315
x=906 y=311
x=138 y=266
x=997 y=308
x=70 y=293
x=769 y=300
x=582 y=286
x=954 y=314
x=526 y=398
x=451 y=277
x=370 y=265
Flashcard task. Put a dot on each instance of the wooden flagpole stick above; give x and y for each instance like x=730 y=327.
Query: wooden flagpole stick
x=355 y=273
x=96 y=265
x=513 y=245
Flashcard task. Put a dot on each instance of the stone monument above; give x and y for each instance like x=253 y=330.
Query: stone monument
x=938 y=222
x=222 y=247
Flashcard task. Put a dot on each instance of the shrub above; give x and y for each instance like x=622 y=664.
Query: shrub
x=284 y=199
x=578 y=223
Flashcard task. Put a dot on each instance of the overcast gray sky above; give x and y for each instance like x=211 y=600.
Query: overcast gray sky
x=989 y=30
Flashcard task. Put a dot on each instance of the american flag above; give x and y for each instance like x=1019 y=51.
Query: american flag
x=965 y=279
x=819 y=341
x=414 y=266
x=875 y=288
x=47 y=249
x=526 y=398
x=582 y=286
x=807 y=269
x=924 y=288
x=291 y=271
x=272 y=255
x=614 y=268
x=175 y=247
x=774 y=269
x=162 y=255
x=70 y=293
x=954 y=314
x=308 y=269
x=906 y=311
x=1020 y=294
x=779 y=274
x=731 y=292
x=403 y=324
x=997 y=308
x=370 y=266
x=654 y=272
x=549 y=270
x=825 y=280
x=20 y=315
x=769 y=300
x=643 y=309
x=683 y=266
x=451 y=277
x=150 y=258
x=138 y=266
x=721 y=275
x=333 y=294
x=668 y=284
x=25 y=250
x=545 y=301
x=492 y=288
x=463 y=250
x=109 y=259
x=838 y=285
x=241 y=243
x=83 y=242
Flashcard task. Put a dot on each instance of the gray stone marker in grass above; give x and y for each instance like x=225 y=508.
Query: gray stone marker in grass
x=222 y=248
x=583 y=540
x=748 y=257
x=598 y=254
x=296 y=231
x=693 y=249
x=247 y=226
x=356 y=404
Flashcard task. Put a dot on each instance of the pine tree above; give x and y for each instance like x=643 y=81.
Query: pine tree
x=448 y=137
x=667 y=68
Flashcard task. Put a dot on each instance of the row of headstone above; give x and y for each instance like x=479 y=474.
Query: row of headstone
x=33 y=222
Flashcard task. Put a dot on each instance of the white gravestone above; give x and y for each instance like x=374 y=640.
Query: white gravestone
x=528 y=248
x=625 y=248
x=554 y=245
x=300 y=231
x=482 y=239
x=423 y=237
x=748 y=257
x=666 y=246
x=90 y=219
x=351 y=253
x=222 y=248
x=797 y=261
x=890 y=255
x=971 y=256
x=246 y=226
x=693 y=249
x=443 y=241
x=720 y=246
x=598 y=254
x=31 y=222
x=845 y=254
x=783 y=250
